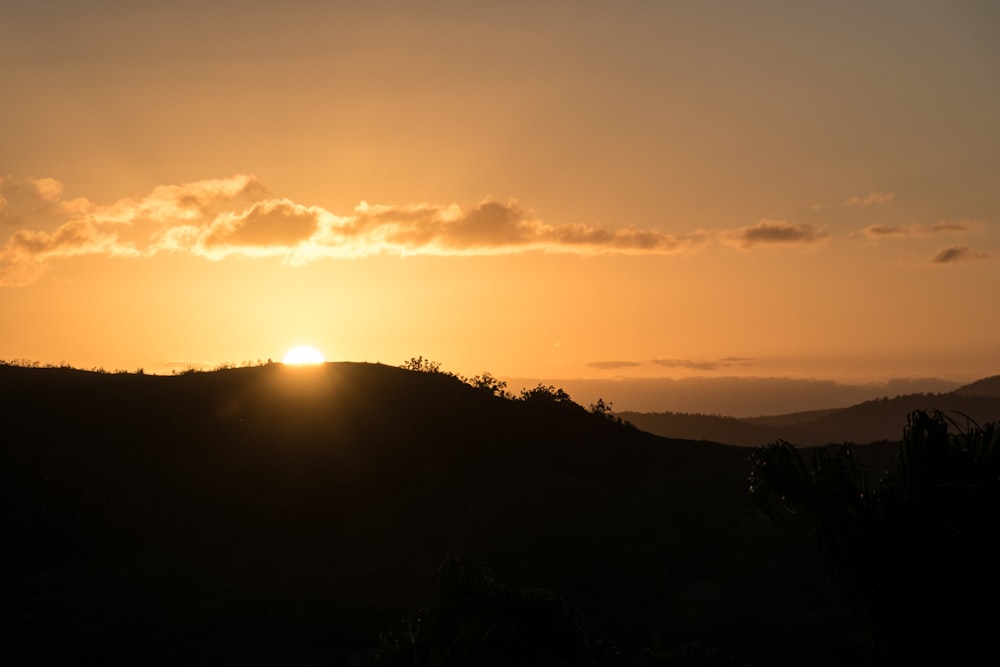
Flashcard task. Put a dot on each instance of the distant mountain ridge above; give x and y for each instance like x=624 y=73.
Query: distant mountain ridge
x=989 y=386
x=870 y=421
x=735 y=396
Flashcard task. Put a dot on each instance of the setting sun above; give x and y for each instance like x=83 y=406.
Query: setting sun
x=583 y=270
x=302 y=355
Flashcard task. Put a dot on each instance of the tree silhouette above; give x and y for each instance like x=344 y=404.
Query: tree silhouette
x=421 y=365
x=916 y=549
x=545 y=394
x=488 y=383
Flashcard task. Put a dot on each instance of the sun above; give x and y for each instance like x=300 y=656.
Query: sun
x=301 y=355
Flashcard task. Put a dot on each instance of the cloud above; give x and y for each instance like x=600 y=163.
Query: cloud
x=958 y=226
x=706 y=365
x=276 y=222
x=22 y=259
x=703 y=365
x=217 y=218
x=80 y=237
x=736 y=361
x=958 y=253
x=899 y=231
x=37 y=201
x=489 y=228
x=774 y=232
x=271 y=228
x=881 y=231
x=188 y=202
x=609 y=365
x=871 y=199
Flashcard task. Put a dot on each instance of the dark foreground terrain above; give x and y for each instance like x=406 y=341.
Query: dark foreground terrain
x=289 y=516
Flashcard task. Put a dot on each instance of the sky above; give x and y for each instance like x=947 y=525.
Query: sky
x=534 y=189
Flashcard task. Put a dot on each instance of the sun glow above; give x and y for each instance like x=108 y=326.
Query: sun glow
x=301 y=355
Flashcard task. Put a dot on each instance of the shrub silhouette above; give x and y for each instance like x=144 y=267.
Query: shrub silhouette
x=421 y=365
x=603 y=409
x=487 y=382
x=490 y=384
x=545 y=394
x=479 y=621
x=916 y=550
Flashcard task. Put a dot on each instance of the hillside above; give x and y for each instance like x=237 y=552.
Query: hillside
x=277 y=515
x=870 y=421
x=985 y=387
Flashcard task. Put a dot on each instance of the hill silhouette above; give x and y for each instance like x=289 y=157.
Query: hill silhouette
x=870 y=421
x=280 y=515
x=989 y=386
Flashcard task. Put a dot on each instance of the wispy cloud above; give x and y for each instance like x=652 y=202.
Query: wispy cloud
x=899 y=231
x=488 y=228
x=238 y=216
x=704 y=365
x=79 y=237
x=774 y=232
x=871 y=199
x=882 y=231
x=958 y=226
x=43 y=225
x=35 y=201
x=610 y=365
x=56 y=227
x=958 y=253
x=692 y=364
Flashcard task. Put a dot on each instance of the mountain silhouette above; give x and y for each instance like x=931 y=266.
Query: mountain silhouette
x=291 y=515
x=871 y=421
x=989 y=386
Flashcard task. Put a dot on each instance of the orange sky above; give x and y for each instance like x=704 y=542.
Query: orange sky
x=536 y=189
